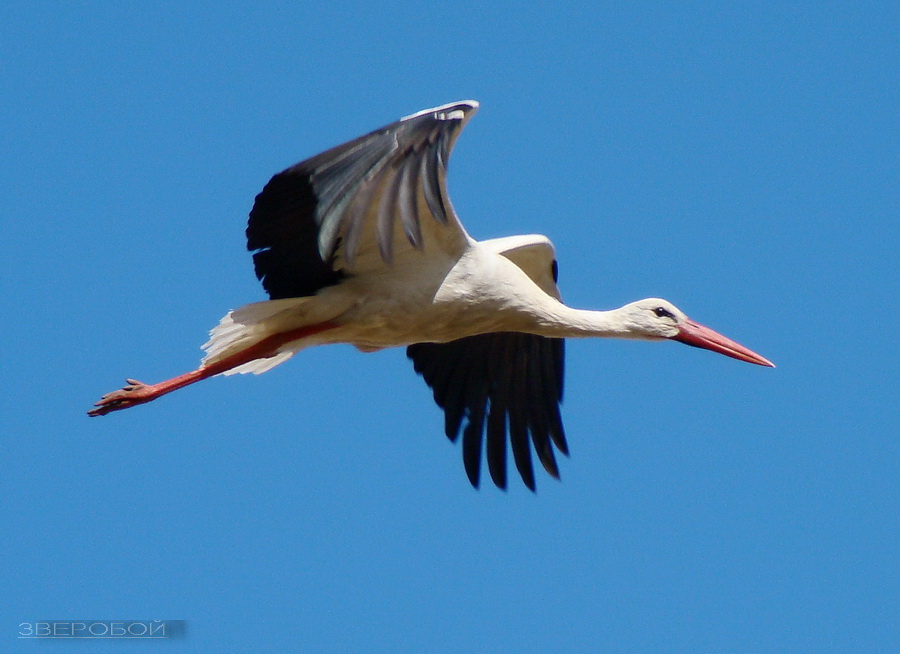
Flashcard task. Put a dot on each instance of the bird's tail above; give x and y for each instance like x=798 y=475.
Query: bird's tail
x=246 y=326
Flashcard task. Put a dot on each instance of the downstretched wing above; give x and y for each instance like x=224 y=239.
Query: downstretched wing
x=360 y=205
x=502 y=384
x=498 y=383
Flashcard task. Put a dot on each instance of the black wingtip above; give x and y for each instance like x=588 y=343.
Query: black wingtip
x=550 y=466
x=471 y=451
x=283 y=235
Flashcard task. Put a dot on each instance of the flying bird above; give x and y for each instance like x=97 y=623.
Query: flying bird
x=361 y=245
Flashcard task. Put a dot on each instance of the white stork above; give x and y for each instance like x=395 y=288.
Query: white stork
x=361 y=245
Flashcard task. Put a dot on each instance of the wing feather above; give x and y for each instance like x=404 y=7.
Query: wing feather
x=407 y=201
x=497 y=417
x=387 y=207
x=309 y=224
x=518 y=418
x=496 y=387
x=431 y=185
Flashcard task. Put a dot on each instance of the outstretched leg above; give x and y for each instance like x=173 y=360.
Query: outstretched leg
x=139 y=393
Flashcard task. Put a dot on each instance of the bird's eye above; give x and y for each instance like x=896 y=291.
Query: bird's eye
x=662 y=312
x=554 y=270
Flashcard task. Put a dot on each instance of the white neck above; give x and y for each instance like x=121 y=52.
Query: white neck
x=560 y=321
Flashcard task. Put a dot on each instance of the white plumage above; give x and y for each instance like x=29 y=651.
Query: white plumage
x=361 y=245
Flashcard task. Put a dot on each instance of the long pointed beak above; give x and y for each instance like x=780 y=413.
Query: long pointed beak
x=696 y=335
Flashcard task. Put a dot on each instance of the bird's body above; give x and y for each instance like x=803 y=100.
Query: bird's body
x=361 y=245
x=481 y=291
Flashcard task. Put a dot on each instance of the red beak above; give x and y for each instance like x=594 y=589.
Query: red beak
x=696 y=335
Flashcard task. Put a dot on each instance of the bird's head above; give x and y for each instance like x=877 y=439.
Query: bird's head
x=654 y=318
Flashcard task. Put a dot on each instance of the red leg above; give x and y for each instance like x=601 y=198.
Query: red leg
x=139 y=393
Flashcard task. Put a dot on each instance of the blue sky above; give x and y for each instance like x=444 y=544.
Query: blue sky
x=741 y=163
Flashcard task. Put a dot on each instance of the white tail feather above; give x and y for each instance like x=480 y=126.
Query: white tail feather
x=246 y=326
x=259 y=366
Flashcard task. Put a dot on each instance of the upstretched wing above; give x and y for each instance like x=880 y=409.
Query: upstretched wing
x=359 y=206
x=504 y=383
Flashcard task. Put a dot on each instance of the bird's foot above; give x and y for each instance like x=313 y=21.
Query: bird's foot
x=132 y=394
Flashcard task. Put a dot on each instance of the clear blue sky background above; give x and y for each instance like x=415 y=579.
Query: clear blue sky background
x=741 y=163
